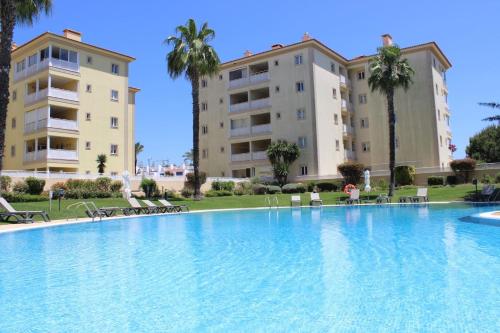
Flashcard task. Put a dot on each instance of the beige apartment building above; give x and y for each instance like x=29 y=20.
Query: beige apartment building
x=309 y=94
x=69 y=102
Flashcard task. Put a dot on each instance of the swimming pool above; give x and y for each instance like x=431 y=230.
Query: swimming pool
x=415 y=268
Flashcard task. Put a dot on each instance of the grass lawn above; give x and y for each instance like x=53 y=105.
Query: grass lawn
x=246 y=201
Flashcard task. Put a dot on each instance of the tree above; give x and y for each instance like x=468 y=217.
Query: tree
x=351 y=171
x=188 y=157
x=13 y=12
x=389 y=72
x=484 y=146
x=139 y=148
x=281 y=155
x=101 y=163
x=494 y=106
x=194 y=57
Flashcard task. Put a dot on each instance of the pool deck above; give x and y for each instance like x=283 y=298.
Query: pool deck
x=5 y=228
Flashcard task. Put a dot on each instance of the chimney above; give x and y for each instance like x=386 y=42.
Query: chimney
x=276 y=46
x=14 y=46
x=305 y=36
x=386 y=40
x=73 y=34
x=247 y=53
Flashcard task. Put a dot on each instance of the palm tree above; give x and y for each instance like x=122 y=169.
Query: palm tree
x=188 y=157
x=388 y=72
x=281 y=155
x=194 y=57
x=494 y=106
x=101 y=163
x=11 y=13
x=139 y=148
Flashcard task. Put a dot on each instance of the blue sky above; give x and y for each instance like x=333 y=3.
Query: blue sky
x=468 y=32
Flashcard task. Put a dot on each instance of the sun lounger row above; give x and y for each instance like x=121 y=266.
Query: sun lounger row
x=136 y=208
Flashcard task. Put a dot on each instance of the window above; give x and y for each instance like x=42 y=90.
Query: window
x=448 y=120
x=88 y=88
x=222 y=149
x=204 y=106
x=361 y=75
x=299 y=86
x=204 y=129
x=303 y=170
x=222 y=174
x=44 y=54
x=221 y=124
x=353 y=146
x=220 y=77
x=350 y=98
x=440 y=140
x=302 y=142
x=87 y=172
x=434 y=62
x=64 y=54
x=334 y=93
x=89 y=60
x=14 y=122
x=87 y=116
x=439 y=114
x=114 y=122
x=204 y=153
x=364 y=122
x=20 y=66
x=336 y=119
x=113 y=173
x=115 y=69
x=32 y=60
x=113 y=149
x=301 y=114
x=278 y=115
x=221 y=100
x=114 y=95
x=437 y=89
x=298 y=59
x=365 y=146
x=337 y=145
x=88 y=145
x=332 y=67
x=12 y=150
x=362 y=99
x=277 y=89
x=204 y=83
x=14 y=95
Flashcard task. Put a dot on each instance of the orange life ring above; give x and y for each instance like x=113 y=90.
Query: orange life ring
x=348 y=188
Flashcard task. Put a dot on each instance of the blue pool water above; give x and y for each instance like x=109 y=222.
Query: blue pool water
x=340 y=269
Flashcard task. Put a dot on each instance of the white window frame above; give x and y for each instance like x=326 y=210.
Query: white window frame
x=302 y=142
x=298 y=59
x=113 y=149
x=204 y=129
x=114 y=122
x=115 y=69
x=88 y=116
x=299 y=86
x=365 y=147
x=113 y=97
x=88 y=145
x=362 y=99
x=335 y=119
x=301 y=114
x=303 y=170
x=360 y=75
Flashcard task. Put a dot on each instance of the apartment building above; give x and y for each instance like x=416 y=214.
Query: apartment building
x=309 y=94
x=69 y=102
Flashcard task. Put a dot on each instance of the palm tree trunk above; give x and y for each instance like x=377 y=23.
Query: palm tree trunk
x=392 y=140
x=7 y=16
x=196 y=134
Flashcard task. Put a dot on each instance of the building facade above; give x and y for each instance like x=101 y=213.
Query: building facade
x=69 y=102
x=309 y=94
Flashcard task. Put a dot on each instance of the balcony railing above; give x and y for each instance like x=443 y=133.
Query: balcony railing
x=247 y=80
x=63 y=124
x=44 y=154
x=51 y=92
x=259 y=155
x=349 y=155
x=56 y=63
x=343 y=81
x=239 y=107
x=252 y=105
x=347 y=129
x=240 y=131
x=343 y=104
x=241 y=157
x=35 y=155
x=264 y=128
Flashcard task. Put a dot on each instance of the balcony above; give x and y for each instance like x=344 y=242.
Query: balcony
x=259 y=155
x=50 y=117
x=347 y=130
x=241 y=131
x=260 y=129
x=259 y=99
x=344 y=83
x=254 y=74
x=44 y=64
x=51 y=86
x=241 y=157
x=349 y=155
x=343 y=105
x=56 y=154
x=51 y=92
x=51 y=148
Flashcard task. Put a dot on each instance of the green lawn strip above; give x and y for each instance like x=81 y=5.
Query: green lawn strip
x=246 y=201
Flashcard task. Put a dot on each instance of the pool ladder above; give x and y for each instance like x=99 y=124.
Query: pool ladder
x=89 y=206
x=274 y=201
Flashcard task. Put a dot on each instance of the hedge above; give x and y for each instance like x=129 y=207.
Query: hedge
x=435 y=180
x=351 y=171
x=451 y=180
x=327 y=187
x=293 y=188
x=22 y=197
x=218 y=193
x=405 y=175
x=223 y=186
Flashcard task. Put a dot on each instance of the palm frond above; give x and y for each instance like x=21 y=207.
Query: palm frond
x=493 y=105
x=27 y=11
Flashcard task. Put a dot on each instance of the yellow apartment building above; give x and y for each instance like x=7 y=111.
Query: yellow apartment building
x=69 y=102
x=309 y=94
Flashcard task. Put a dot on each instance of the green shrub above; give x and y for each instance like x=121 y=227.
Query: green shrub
x=487 y=179
x=497 y=178
x=273 y=189
x=57 y=186
x=5 y=182
x=35 y=185
x=405 y=175
x=20 y=187
x=218 y=193
x=452 y=180
x=116 y=186
x=172 y=195
x=103 y=183
x=435 y=180
x=190 y=179
x=310 y=186
x=351 y=171
x=382 y=184
x=463 y=167
x=243 y=188
x=149 y=187
x=187 y=192
x=293 y=188
x=23 y=197
x=327 y=186
x=259 y=189
x=87 y=194
x=223 y=186
x=81 y=184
